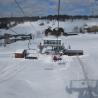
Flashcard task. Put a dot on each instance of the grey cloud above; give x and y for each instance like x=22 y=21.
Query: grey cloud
x=6 y=1
x=41 y=7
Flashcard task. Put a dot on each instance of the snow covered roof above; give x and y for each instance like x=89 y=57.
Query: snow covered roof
x=90 y=24
x=51 y=38
x=19 y=51
x=32 y=51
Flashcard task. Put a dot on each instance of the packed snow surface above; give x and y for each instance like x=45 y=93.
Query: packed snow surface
x=44 y=78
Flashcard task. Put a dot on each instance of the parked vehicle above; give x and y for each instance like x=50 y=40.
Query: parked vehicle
x=31 y=54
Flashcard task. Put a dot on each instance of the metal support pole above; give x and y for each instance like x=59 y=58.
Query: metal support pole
x=58 y=23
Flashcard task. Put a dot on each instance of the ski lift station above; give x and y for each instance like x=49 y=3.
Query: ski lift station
x=53 y=44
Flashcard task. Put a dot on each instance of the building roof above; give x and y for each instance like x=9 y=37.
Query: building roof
x=34 y=51
x=51 y=38
x=19 y=51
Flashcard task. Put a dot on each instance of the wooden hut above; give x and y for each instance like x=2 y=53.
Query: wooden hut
x=20 y=54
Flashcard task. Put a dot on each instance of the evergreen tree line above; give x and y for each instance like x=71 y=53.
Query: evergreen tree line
x=5 y=22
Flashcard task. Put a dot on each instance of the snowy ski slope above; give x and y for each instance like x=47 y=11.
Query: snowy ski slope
x=43 y=78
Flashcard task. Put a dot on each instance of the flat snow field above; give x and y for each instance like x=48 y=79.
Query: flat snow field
x=43 y=78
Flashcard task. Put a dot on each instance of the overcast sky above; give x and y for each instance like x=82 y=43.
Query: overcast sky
x=47 y=7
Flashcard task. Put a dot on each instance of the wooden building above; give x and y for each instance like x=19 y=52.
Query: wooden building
x=20 y=54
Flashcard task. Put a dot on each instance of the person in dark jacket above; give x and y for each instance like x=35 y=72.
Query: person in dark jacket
x=41 y=47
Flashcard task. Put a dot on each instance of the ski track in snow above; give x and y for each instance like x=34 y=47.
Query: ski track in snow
x=11 y=70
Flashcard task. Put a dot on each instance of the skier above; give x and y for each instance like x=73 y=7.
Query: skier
x=69 y=47
x=41 y=47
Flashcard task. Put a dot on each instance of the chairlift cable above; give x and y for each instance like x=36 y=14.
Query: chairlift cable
x=21 y=9
x=85 y=75
x=58 y=13
x=13 y=31
x=58 y=22
x=18 y=5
